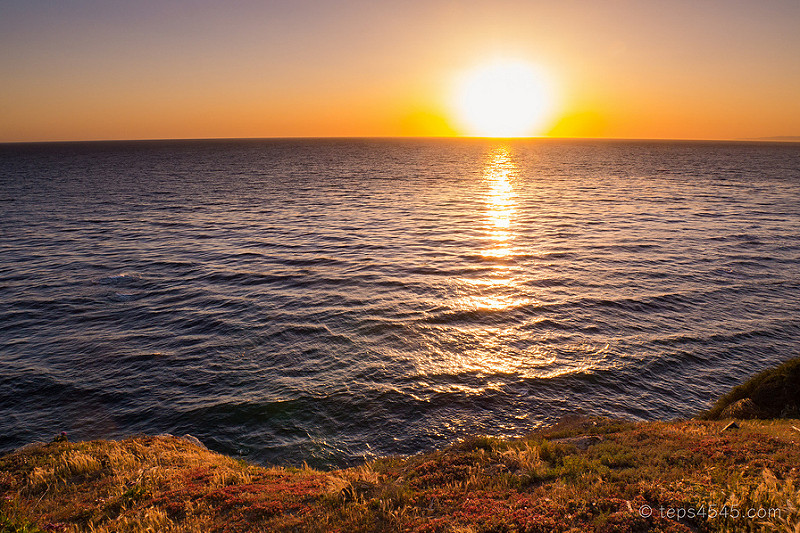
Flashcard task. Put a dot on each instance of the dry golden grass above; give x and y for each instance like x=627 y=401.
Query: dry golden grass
x=584 y=475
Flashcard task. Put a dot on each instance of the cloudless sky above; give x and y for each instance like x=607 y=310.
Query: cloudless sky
x=190 y=69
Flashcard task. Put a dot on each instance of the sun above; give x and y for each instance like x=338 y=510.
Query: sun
x=503 y=98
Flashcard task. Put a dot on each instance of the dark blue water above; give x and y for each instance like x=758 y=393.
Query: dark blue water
x=326 y=300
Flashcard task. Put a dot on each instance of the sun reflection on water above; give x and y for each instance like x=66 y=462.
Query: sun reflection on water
x=500 y=202
x=494 y=332
x=497 y=290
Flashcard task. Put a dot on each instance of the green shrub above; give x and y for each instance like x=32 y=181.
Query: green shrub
x=775 y=393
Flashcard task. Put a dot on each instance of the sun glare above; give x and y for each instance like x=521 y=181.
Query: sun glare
x=505 y=98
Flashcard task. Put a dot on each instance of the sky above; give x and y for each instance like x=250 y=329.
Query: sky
x=91 y=70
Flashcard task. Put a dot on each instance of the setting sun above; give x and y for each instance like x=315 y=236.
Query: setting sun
x=507 y=98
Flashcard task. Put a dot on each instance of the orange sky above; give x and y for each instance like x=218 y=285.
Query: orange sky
x=196 y=69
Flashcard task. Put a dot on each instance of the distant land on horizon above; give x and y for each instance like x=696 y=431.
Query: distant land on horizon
x=779 y=138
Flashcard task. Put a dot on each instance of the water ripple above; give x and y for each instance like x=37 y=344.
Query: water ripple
x=326 y=300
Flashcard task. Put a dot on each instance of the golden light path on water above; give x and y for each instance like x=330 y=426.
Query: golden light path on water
x=496 y=347
x=500 y=203
x=501 y=337
x=499 y=287
x=499 y=290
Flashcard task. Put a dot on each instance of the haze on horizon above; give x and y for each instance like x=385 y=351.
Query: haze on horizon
x=94 y=69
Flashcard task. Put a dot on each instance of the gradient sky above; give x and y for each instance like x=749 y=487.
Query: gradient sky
x=90 y=69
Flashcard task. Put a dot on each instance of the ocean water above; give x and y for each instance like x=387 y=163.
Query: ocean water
x=330 y=300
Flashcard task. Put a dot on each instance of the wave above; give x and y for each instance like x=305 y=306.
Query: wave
x=328 y=299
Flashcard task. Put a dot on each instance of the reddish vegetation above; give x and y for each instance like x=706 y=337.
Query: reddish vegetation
x=580 y=475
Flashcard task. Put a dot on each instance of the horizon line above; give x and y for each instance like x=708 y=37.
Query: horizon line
x=777 y=138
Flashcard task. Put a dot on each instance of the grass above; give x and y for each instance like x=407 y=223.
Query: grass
x=580 y=475
x=774 y=393
x=552 y=480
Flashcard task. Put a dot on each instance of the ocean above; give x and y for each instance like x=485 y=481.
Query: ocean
x=330 y=300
